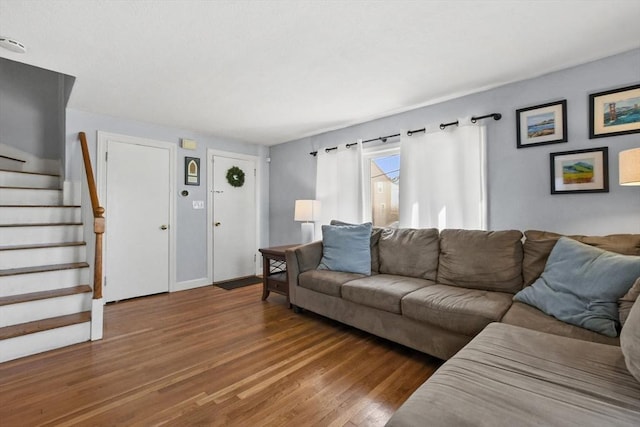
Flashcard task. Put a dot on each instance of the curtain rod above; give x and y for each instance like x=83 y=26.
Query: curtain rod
x=495 y=116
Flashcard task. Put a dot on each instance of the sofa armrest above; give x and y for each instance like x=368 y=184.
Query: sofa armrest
x=300 y=259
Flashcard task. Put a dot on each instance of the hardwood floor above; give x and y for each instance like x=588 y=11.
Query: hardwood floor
x=213 y=357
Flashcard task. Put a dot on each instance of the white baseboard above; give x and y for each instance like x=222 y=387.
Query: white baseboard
x=190 y=284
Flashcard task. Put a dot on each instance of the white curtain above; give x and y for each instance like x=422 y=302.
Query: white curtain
x=339 y=185
x=443 y=178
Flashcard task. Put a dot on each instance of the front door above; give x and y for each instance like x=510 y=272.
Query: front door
x=234 y=218
x=137 y=216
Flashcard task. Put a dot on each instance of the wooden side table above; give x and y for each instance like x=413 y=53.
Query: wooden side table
x=274 y=271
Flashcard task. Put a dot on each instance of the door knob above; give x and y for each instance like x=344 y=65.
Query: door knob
x=163 y=227
x=216 y=223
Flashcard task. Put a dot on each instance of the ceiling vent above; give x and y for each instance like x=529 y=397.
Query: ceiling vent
x=12 y=45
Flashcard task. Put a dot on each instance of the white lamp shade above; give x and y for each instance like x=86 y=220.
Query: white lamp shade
x=629 y=162
x=307 y=210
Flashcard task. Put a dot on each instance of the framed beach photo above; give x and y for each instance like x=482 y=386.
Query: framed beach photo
x=614 y=112
x=541 y=125
x=580 y=171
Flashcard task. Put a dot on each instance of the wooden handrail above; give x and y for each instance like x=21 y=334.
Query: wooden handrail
x=98 y=217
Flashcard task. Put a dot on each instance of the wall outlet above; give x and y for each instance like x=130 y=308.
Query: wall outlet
x=198 y=204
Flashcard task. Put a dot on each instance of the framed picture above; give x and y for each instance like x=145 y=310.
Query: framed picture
x=614 y=112
x=580 y=171
x=542 y=124
x=191 y=171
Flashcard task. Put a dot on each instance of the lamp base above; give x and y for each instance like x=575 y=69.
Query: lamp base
x=307 y=229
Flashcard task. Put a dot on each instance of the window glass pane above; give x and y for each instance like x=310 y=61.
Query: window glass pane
x=385 y=186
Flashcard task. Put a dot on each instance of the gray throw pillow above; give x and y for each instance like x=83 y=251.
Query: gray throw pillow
x=346 y=248
x=581 y=285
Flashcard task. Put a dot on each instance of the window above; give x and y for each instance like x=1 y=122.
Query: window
x=382 y=169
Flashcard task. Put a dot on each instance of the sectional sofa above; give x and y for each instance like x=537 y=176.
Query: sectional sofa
x=451 y=294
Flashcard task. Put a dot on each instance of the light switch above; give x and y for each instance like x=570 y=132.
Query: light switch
x=198 y=204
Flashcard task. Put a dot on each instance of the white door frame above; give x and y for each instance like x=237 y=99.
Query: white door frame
x=101 y=163
x=210 y=153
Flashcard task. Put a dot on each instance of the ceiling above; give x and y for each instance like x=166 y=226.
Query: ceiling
x=271 y=71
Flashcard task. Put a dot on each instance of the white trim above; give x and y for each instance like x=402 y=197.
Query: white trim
x=97 y=318
x=190 y=284
x=258 y=213
x=103 y=138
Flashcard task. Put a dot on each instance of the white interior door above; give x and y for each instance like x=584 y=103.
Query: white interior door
x=234 y=220
x=137 y=215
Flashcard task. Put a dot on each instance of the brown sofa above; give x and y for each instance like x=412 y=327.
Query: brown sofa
x=435 y=292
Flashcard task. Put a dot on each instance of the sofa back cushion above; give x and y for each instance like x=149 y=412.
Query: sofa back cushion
x=409 y=252
x=538 y=246
x=488 y=260
x=630 y=342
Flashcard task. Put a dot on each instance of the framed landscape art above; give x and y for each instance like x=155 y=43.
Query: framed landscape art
x=580 y=171
x=542 y=124
x=614 y=112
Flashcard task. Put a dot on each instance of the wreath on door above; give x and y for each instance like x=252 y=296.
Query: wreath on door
x=235 y=176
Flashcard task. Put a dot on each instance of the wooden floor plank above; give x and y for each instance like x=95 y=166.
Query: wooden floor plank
x=213 y=357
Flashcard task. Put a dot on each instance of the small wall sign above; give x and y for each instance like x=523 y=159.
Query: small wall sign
x=191 y=171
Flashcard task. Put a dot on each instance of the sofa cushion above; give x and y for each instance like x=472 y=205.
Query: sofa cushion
x=582 y=284
x=489 y=260
x=326 y=281
x=346 y=248
x=538 y=245
x=409 y=252
x=382 y=291
x=510 y=376
x=461 y=310
x=375 y=238
x=630 y=342
x=626 y=302
x=521 y=314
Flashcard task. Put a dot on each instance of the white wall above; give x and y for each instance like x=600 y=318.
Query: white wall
x=191 y=244
x=519 y=187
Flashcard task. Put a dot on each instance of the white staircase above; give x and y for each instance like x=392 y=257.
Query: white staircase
x=45 y=298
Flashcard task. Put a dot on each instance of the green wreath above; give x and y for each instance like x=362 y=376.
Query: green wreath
x=235 y=176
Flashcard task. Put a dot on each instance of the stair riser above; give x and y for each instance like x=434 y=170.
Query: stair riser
x=16 y=179
x=26 y=345
x=45 y=281
x=39 y=215
x=21 y=196
x=15 y=314
x=43 y=256
x=35 y=235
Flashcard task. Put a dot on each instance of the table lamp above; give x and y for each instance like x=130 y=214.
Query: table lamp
x=629 y=162
x=307 y=211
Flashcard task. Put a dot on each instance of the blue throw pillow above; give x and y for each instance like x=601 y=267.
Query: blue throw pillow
x=581 y=285
x=346 y=248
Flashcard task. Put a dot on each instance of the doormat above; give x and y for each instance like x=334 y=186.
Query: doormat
x=239 y=283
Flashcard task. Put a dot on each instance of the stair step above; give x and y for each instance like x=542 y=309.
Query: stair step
x=40 y=246
x=40 y=214
x=44 y=281
x=38 y=342
x=44 y=325
x=30 y=196
x=35 y=296
x=29 y=173
x=38 y=233
x=19 y=256
x=42 y=268
x=28 y=180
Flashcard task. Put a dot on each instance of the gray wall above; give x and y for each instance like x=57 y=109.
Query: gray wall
x=519 y=188
x=32 y=108
x=191 y=244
